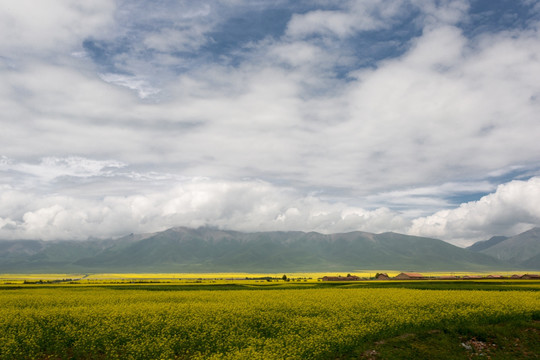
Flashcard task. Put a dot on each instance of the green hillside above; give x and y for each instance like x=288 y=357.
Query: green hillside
x=211 y=250
x=522 y=249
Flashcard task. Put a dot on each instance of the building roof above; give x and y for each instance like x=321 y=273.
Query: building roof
x=341 y=278
x=411 y=274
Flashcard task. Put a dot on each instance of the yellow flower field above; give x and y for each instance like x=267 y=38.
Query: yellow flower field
x=158 y=322
x=224 y=277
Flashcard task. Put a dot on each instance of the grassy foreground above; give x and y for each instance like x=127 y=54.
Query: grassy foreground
x=377 y=320
x=511 y=339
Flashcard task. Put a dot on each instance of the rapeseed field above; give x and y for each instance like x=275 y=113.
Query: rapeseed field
x=168 y=322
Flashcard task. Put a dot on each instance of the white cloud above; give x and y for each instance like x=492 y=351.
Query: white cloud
x=140 y=85
x=188 y=39
x=40 y=27
x=379 y=145
x=433 y=117
x=511 y=209
x=245 y=206
x=368 y=15
x=446 y=12
x=357 y=16
x=51 y=168
x=297 y=53
x=429 y=110
x=440 y=47
x=428 y=199
x=257 y=206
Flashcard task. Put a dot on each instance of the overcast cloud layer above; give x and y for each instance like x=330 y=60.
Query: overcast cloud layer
x=419 y=117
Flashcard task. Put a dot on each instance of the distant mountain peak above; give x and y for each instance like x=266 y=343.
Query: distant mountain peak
x=522 y=249
x=205 y=249
x=485 y=244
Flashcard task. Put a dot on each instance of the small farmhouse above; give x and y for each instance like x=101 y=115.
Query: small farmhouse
x=341 y=278
x=409 y=276
x=382 y=276
x=525 y=276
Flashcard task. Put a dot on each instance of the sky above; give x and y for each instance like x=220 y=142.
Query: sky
x=414 y=116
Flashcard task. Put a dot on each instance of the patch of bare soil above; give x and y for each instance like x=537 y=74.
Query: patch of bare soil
x=477 y=347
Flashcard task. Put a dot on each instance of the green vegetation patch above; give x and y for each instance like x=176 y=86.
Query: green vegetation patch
x=513 y=339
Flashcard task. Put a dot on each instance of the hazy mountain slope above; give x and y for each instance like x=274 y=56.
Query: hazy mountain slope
x=427 y=253
x=15 y=253
x=53 y=256
x=211 y=250
x=19 y=248
x=532 y=263
x=520 y=249
x=184 y=249
x=485 y=244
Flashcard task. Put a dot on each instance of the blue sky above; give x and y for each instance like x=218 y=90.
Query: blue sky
x=419 y=117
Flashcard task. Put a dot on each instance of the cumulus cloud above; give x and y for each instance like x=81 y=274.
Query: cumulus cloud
x=257 y=206
x=43 y=27
x=173 y=26
x=110 y=108
x=244 y=206
x=457 y=112
x=443 y=108
x=511 y=209
x=356 y=16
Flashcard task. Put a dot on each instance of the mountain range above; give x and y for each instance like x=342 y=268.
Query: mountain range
x=211 y=250
x=522 y=250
